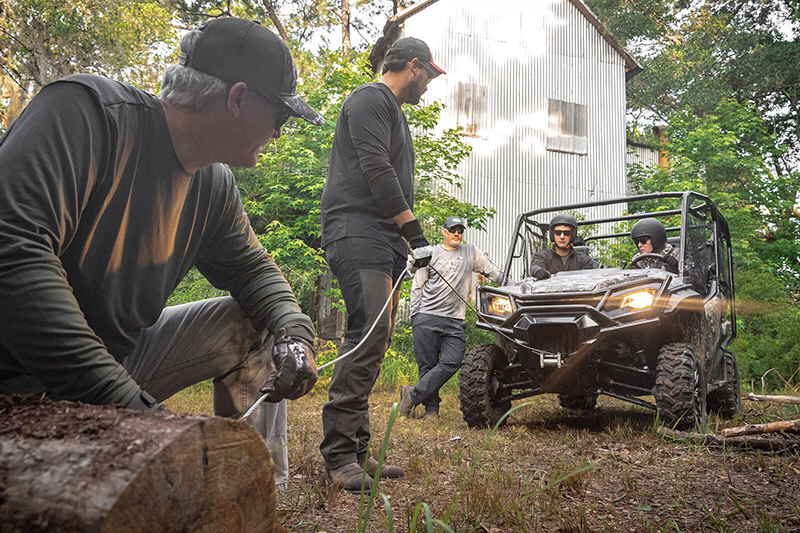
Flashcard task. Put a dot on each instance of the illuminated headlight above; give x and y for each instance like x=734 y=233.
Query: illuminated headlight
x=639 y=299
x=500 y=305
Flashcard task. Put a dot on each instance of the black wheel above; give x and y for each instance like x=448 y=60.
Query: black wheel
x=479 y=384
x=727 y=400
x=584 y=402
x=680 y=387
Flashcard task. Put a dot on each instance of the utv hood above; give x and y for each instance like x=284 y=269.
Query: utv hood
x=587 y=280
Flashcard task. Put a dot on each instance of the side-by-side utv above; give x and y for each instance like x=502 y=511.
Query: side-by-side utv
x=629 y=333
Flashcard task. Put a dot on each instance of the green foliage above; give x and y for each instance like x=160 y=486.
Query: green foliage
x=192 y=288
x=768 y=331
x=699 y=53
x=44 y=40
x=725 y=154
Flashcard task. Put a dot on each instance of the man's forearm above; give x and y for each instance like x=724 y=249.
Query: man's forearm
x=402 y=218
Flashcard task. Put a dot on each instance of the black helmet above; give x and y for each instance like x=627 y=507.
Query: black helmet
x=650 y=227
x=563 y=219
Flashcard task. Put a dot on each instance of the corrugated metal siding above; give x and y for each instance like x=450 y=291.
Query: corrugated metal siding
x=525 y=52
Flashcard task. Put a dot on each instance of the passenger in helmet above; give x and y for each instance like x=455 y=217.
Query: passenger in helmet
x=562 y=256
x=650 y=237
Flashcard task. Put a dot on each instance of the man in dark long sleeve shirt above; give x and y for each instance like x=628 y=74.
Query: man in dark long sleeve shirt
x=109 y=195
x=366 y=212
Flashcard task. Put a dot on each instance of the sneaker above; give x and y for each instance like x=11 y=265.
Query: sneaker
x=431 y=415
x=387 y=471
x=350 y=478
x=406 y=404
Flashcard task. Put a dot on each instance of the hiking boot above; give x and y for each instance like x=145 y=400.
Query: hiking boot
x=387 y=471
x=349 y=477
x=406 y=405
x=431 y=415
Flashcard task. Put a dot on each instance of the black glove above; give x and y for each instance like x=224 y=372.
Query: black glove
x=412 y=232
x=292 y=370
x=145 y=402
x=539 y=272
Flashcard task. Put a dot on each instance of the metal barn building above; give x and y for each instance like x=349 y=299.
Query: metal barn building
x=539 y=88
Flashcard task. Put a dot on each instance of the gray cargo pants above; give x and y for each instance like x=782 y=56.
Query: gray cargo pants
x=213 y=339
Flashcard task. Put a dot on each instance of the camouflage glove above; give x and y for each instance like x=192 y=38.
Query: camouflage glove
x=539 y=272
x=292 y=370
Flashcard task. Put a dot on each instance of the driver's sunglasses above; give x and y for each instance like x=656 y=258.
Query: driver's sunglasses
x=460 y=231
x=564 y=232
x=641 y=240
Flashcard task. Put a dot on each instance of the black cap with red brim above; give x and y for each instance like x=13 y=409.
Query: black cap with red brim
x=412 y=48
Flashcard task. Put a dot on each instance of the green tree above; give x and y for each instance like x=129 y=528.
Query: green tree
x=699 y=53
x=44 y=40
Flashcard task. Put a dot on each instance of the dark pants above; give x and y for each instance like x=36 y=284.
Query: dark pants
x=439 y=344
x=366 y=270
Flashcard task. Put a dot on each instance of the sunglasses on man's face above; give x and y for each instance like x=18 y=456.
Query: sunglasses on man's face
x=564 y=232
x=282 y=115
x=281 y=119
x=641 y=240
x=460 y=231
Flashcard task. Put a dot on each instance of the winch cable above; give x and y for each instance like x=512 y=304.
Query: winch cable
x=383 y=310
x=356 y=347
x=495 y=328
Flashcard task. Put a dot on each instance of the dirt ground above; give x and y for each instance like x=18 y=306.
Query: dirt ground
x=549 y=469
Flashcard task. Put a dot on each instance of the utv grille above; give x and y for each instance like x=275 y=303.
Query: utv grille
x=556 y=334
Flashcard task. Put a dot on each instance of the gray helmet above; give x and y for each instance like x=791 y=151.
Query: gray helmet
x=650 y=227
x=563 y=219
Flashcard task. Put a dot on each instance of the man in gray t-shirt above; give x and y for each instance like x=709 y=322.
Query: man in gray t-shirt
x=437 y=315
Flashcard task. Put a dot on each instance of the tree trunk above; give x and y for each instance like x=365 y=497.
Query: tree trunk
x=273 y=16
x=68 y=467
x=346 y=28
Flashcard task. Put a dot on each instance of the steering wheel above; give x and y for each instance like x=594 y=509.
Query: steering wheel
x=635 y=261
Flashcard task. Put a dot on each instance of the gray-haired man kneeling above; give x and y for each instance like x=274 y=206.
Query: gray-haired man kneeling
x=109 y=195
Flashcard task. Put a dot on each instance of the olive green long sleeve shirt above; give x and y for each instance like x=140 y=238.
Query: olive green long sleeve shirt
x=99 y=222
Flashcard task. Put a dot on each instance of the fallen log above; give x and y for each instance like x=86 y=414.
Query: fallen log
x=788 y=426
x=767 y=398
x=709 y=439
x=77 y=468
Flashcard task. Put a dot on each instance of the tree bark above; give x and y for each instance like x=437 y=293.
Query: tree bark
x=77 y=468
x=273 y=16
x=767 y=398
x=790 y=426
x=346 y=27
x=774 y=445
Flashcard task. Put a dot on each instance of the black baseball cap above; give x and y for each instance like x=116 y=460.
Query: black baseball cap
x=410 y=48
x=454 y=222
x=235 y=50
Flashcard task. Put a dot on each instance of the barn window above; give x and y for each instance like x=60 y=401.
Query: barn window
x=471 y=108
x=566 y=127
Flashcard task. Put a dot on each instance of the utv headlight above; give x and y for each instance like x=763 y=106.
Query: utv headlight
x=639 y=300
x=500 y=305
